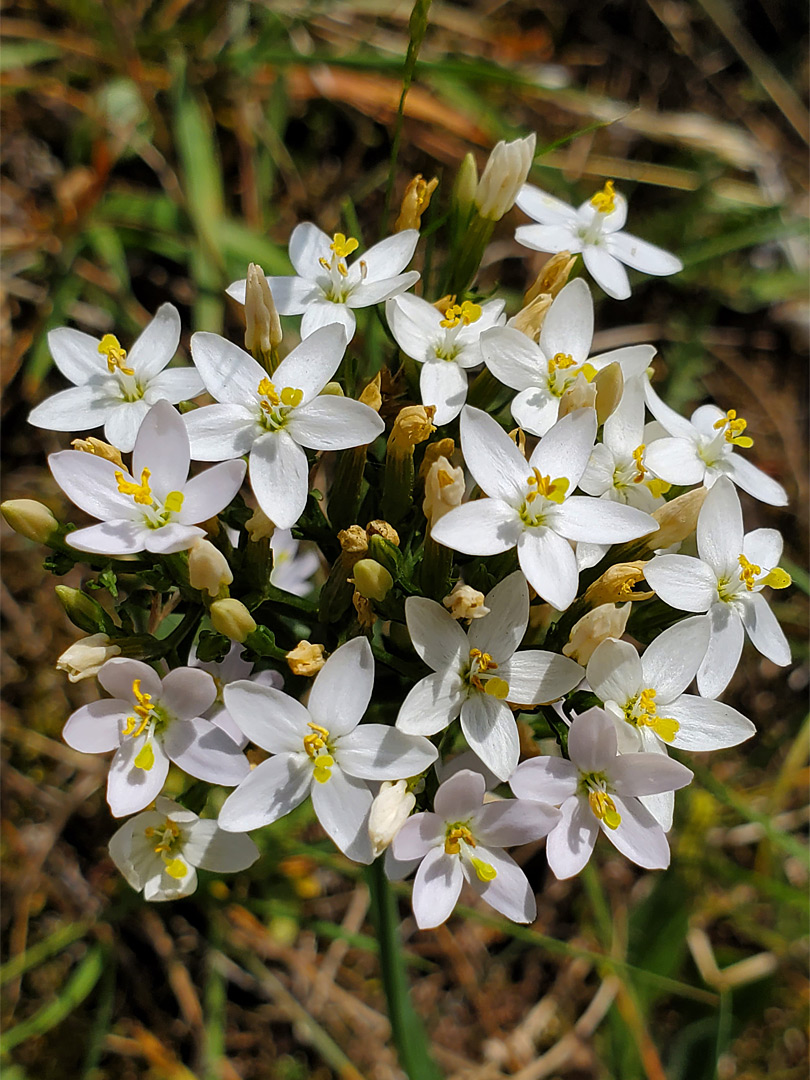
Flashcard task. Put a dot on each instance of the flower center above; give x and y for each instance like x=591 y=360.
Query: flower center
x=563 y=372
x=275 y=405
x=641 y=712
x=600 y=802
x=733 y=427
x=110 y=348
x=459 y=832
x=338 y=271
x=635 y=472
x=317 y=747
x=461 y=314
x=168 y=840
x=150 y=719
x=605 y=200
x=547 y=491
x=480 y=664
x=142 y=494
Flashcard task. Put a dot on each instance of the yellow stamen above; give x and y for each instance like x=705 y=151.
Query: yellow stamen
x=455 y=834
x=110 y=347
x=267 y=390
x=143 y=710
x=560 y=360
x=485 y=871
x=141 y=493
x=553 y=490
x=605 y=200
x=604 y=808
x=735 y=426
x=466 y=313
x=343 y=246
x=646 y=715
x=638 y=458
x=749 y=572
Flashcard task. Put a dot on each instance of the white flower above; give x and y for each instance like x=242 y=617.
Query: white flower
x=292 y=569
x=273 y=419
x=87 y=656
x=444 y=343
x=542 y=373
x=477 y=672
x=158 y=852
x=149 y=723
x=726 y=581
x=597 y=789
x=231 y=669
x=645 y=697
x=505 y=171
x=389 y=812
x=593 y=230
x=703 y=449
x=155 y=507
x=327 y=289
x=113 y=388
x=463 y=839
x=531 y=505
x=320 y=750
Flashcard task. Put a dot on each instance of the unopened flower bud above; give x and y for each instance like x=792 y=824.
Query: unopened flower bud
x=415 y=202
x=617 y=584
x=30 y=519
x=306 y=658
x=372 y=580
x=465 y=186
x=677 y=519
x=442 y=448
x=413 y=425
x=609 y=383
x=231 y=618
x=503 y=176
x=389 y=812
x=580 y=395
x=333 y=389
x=371 y=395
x=82 y=610
x=208 y=568
x=529 y=320
x=101 y=449
x=378 y=527
x=552 y=277
x=86 y=656
x=444 y=489
x=262 y=325
x=465 y=602
x=259 y=526
x=605 y=621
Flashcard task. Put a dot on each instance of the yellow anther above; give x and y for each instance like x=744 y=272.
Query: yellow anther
x=749 y=572
x=291 y=397
x=604 y=808
x=466 y=313
x=167 y=837
x=323 y=767
x=174 y=501
x=141 y=493
x=553 y=490
x=143 y=709
x=605 y=200
x=343 y=246
x=176 y=869
x=145 y=758
x=453 y=837
x=110 y=347
x=485 y=871
x=645 y=714
x=638 y=458
x=560 y=360
x=316 y=742
x=444 y=478
x=267 y=390
x=518 y=437
x=325 y=263
x=342 y=269
x=735 y=426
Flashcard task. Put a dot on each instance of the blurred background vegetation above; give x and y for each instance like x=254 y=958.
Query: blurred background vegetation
x=151 y=148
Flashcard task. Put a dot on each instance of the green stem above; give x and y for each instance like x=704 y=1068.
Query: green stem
x=408 y=1033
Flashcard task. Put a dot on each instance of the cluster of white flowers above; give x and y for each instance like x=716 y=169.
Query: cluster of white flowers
x=493 y=582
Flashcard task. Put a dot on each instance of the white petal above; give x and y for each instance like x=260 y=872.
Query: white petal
x=606 y=271
x=321 y=313
x=491 y=731
x=374 y=292
x=175 y=385
x=535 y=410
x=568 y=325
x=764 y=630
x=601 y=521
x=536 y=677
x=129 y=788
x=279 y=476
x=94 y=728
x=390 y=256
x=492 y=457
x=676 y=461
x=188 y=692
x=648 y=774
x=443 y=384
x=334 y=423
x=707 y=724
x=565 y=449
x=230 y=374
x=210 y=848
x=291 y=295
x=414 y=323
x=569 y=846
x=720 y=529
x=163 y=886
x=545 y=208
x=671 y=660
x=763 y=547
x=273 y=789
x=639 y=836
x=436 y=888
x=308 y=245
x=549 y=780
x=756 y=482
x=642 y=256
x=311 y=365
x=483 y=527
x=342 y=806
x=89 y=482
x=417 y=836
x=724 y=651
x=436 y=635
x=513 y=821
x=131 y=857
x=205 y=495
x=110 y=538
x=432 y=704
x=118 y=675
x=550 y=566
x=501 y=631
x=682 y=582
x=615 y=671
x=551 y=238
x=76 y=354
x=162 y=447
x=171 y=538
x=219 y=432
x=342 y=689
x=592 y=742
x=156 y=345
x=270 y=718
x=205 y=752
x=509 y=891
x=377 y=752
x=513 y=358
x=80 y=408
x=459 y=795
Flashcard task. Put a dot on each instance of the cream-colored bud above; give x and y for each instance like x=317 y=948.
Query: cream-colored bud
x=552 y=277
x=365 y=612
x=30 y=518
x=677 y=519
x=413 y=425
x=86 y=656
x=306 y=658
x=371 y=579
x=581 y=394
x=465 y=185
x=605 y=621
x=465 y=602
x=444 y=489
x=371 y=395
x=259 y=526
x=616 y=585
x=378 y=527
x=333 y=389
x=354 y=540
x=415 y=202
x=442 y=448
x=529 y=320
x=503 y=176
x=389 y=812
x=609 y=383
x=262 y=325
x=231 y=618
x=101 y=449
x=208 y=568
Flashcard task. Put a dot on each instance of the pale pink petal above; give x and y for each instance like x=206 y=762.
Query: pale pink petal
x=459 y=795
x=509 y=891
x=513 y=821
x=592 y=741
x=418 y=835
x=648 y=774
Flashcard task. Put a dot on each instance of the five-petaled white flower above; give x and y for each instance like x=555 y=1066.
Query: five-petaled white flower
x=463 y=839
x=153 y=508
x=726 y=581
x=477 y=672
x=542 y=373
x=149 y=723
x=273 y=419
x=702 y=449
x=599 y=789
x=645 y=696
x=445 y=343
x=320 y=750
x=159 y=851
x=113 y=388
x=327 y=289
x=530 y=503
x=593 y=230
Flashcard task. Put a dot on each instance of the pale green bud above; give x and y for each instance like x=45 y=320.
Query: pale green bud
x=30 y=518
x=372 y=580
x=231 y=618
